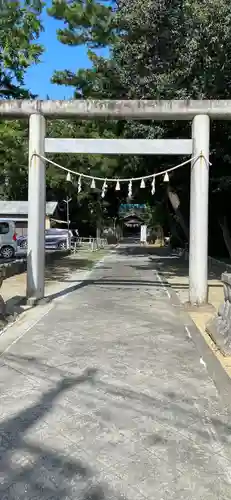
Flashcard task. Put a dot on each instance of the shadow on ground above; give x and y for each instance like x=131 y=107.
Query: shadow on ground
x=108 y=283
x=168 y=264
x=168 y=261
x=171 y=265
x=160 y=258
x=58 y=271
x=61 y=269
x=30 y=471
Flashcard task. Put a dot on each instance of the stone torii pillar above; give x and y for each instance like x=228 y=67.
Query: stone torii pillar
x=198 y=244
x=36 y=209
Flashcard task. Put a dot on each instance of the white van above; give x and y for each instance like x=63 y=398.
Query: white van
x=8 y=239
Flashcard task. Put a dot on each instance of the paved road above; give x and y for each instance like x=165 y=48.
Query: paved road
x=105 y=398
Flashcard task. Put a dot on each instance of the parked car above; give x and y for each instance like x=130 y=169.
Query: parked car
x=54 y=238
x=8 y=239
x=57 y=238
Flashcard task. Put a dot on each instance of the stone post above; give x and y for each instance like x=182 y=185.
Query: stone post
x=36 y=209
x=219 y=328
x=198 y=251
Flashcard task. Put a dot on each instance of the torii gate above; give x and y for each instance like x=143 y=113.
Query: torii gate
x=199 y=112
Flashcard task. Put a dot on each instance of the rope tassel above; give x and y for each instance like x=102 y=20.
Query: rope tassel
x=117 y=188
x=153 y=185
x=130 y=189
x=93 y=184
x=142 y=184
x=166 y=177
x=68 y=177
x=104 y=189
x=79 y=184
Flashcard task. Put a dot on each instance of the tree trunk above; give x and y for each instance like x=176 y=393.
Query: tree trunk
x=174 y=227
x=226 y=234
x=98 y=232
x=175 y=202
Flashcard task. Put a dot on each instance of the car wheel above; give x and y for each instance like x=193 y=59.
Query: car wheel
x=23 y=244
x=62 y=245
x=7 y=252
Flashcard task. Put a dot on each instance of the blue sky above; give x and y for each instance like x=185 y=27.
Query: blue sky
x=56 y=56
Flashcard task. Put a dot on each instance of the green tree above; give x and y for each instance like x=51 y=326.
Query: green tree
x=168 y=49
x=20 y=26
x=13 y=160
x=87 y=206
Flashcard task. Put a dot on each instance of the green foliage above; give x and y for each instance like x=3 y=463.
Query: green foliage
x=88 y=206
x=159 y=49
x=88 y=22
x=13 y=160
x=20 y=27
x=155 y=215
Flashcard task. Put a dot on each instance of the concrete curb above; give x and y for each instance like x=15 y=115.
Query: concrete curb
x=15 y=267
x=19 y=266
x=213 y=366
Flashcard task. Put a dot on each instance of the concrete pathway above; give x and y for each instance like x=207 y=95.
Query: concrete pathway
x=174 y=270
x=105 y=397
x=58 y=273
